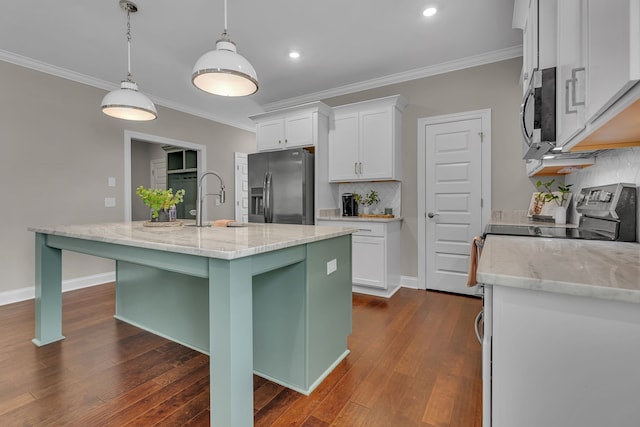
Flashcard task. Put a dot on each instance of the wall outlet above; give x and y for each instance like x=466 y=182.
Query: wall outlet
x=332 y=266
x=111 y=181
x=217 y=202
x=109 y=202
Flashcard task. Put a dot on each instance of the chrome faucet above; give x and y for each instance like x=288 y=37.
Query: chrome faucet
x=201 y=196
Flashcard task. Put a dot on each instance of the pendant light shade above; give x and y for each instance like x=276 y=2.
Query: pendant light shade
x=127 y=102
x=224 y=71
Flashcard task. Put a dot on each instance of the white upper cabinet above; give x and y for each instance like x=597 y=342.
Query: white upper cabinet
x=598 y=72
x=293 y=127
x=365 y=141
x=571 y=71
x=538 y=25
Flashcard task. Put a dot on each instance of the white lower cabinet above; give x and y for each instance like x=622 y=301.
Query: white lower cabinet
x=375 y=255
x=563 y=360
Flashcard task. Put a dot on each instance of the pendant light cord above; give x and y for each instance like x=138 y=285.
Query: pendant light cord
x=129 y=76
x=225 y=16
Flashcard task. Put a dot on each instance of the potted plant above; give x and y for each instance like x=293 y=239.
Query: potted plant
x=549 y=195
x=367 y=200
x=160 y=201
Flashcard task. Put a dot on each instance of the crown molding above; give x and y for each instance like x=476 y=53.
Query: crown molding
x=64 y=73
x=417 y=73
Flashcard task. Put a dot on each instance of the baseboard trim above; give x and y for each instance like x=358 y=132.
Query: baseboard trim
x=23 y=294
x=409 y=282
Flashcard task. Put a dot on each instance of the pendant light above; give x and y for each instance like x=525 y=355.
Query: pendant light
x=223 y=71
x=127 y=103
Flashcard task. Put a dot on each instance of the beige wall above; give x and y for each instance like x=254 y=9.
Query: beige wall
x=58 y=150
x=493 y=86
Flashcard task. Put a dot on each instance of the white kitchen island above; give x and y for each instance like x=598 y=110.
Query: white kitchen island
x=562 y=332
x=267 y=298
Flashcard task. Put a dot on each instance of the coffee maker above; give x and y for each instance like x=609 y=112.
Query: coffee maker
x=349 y=205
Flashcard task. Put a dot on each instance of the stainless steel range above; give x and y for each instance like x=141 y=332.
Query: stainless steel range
x=608 y=212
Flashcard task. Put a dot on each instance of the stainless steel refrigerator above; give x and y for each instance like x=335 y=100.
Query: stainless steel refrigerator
x=281 y=187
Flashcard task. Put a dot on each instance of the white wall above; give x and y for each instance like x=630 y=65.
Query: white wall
x=58 y=150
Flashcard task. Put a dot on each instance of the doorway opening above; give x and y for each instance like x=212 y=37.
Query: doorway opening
x=130 y=140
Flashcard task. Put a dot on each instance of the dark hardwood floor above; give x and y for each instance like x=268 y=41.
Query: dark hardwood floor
x=414 y=361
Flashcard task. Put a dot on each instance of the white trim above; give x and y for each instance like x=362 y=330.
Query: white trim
x=23 y=294
x=129 y=135
x=53 y=70
x=410 y=282
x=417 y=73
x=485 y=117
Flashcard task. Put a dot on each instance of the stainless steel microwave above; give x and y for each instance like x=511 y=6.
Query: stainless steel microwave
x=538 y=114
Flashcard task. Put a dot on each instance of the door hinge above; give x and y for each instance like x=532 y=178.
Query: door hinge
x=481 y=203
x=481 y=136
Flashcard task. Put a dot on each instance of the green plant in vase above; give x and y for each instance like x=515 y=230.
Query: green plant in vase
x=367 y=200
x=159 y=200
x=560 y=215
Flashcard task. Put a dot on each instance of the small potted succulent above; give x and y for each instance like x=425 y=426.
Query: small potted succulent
x=160 y=202
x=367 y=200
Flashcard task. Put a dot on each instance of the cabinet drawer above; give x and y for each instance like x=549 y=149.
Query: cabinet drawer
x=364 y=228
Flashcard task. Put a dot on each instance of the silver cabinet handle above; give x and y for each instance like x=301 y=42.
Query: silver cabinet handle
x=360 y=168
x=574 y=80
x=479 y=318
x=365 y=229
x=355 y=168
x=567 y=89
x=570 y=86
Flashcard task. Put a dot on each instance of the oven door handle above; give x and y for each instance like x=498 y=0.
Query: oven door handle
x=479 y=318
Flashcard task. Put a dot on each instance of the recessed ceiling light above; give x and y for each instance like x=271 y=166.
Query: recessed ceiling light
x=294 y=55
x=430 y=11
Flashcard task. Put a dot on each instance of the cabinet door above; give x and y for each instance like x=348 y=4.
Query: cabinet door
x=299 y=131
x=613 y=41
x=376 y=145
x=368 y=261
x=530 y=44
x=571 y=70
x=343 y=148
x=270 y=135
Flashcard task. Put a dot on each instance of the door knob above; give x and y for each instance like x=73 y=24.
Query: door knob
x=431 y=215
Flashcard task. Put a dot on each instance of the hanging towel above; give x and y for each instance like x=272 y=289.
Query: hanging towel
x=476 y=250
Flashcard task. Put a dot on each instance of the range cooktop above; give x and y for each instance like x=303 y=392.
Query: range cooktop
x=541 y=231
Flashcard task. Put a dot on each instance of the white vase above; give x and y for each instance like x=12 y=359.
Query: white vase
x=560 y=215
x=366 y=210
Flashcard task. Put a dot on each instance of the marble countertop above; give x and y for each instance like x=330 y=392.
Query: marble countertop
x=212 y=242
x=358 y=219
x=597 y=269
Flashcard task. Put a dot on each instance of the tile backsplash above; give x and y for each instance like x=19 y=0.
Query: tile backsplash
x=389 y=192
x=612 y=166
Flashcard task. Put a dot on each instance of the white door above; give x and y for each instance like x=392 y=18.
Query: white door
x=242 y=187
x=453 y=197
x=159 y=174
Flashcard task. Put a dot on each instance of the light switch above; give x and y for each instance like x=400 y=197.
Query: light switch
x=109 y=202
x=111 y=181
x=332 y=266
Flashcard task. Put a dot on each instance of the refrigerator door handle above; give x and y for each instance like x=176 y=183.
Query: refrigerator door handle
x=268 y=213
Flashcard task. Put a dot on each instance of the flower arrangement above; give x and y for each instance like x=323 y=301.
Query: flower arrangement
x=159 y=200
x=548 y=195
x=367 y=199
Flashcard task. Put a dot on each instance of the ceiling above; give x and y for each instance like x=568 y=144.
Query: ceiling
x=345 y=45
